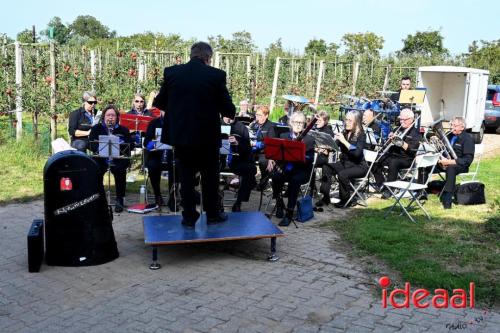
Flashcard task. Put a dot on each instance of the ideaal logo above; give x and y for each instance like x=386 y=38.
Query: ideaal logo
x=419 y=297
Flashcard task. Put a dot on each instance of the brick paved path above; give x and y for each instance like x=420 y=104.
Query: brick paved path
x=222 y=287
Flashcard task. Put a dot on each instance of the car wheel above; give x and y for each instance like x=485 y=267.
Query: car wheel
x=478 y=137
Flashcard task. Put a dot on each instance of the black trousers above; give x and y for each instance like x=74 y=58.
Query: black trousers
x=451 y=177
x=262 y=161
x=120 y=176
x=345 y=171
x=394 y=164
x=156 y=164
x=295 y=178
x=206 y=161
x=246 y=171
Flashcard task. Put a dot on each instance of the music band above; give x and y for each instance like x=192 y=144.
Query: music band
x=191 y=124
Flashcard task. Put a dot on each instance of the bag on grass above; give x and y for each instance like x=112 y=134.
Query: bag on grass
x=305 y=209
x=470 y=194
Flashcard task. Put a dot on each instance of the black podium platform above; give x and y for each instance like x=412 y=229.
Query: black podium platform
x=168 y=230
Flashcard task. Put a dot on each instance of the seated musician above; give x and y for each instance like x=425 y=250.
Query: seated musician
x=240 y=161
x=288 y=109
x=139 y=106
x=401 y=152
x=81 y=121
x=351 y=165
x=158 y=161
x=370 y=121
x=323 y=127
x=463 y=145
x=262 y=127
x=295 y=173
x=118 y=166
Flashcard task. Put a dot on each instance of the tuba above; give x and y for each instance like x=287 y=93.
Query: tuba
x=440 y=141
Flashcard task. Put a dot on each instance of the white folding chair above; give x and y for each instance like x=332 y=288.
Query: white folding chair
x=361 y=184
x=472 y=175
x=409 y=188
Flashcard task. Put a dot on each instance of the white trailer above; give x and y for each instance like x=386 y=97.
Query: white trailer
x=454 y=91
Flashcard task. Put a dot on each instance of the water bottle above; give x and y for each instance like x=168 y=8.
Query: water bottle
x=142 y=194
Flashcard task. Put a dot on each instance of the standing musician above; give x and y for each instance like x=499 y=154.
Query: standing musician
x=81 y=121
x=404 y=84
x=351 y=165
x=463 y=145
x=240 y=161
x=401 y=153
x=194 y=95
x=118 y=166
x=262 y=127
x=158 y=161
x=294 y=173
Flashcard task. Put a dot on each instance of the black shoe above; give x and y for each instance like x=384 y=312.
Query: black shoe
x=323 y=202
x=421 y=195
x=119 y=205
x=236 y=207
x=446 y=199
x=447 y=204
x=221 y=217
x=190 y=221
x=285 y=222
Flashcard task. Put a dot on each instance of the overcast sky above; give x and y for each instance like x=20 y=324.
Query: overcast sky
x=296 y=22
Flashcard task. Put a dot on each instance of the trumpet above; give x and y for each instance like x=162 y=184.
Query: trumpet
x=398 y=138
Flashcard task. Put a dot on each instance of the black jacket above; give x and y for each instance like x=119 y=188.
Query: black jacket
x=243 y=148
x=262 y=131
x=325 y=129
x=125 y=141
x=354 y=153
x=79 y=121
x=146 y=112
x=412 y=138
x=192 y=96
x=464 y=147
x=151 y=135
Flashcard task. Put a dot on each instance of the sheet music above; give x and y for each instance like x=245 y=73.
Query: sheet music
x=370 y=136
x=225 y=149
x=109 y=146
x=225 y=129
x=158 y=144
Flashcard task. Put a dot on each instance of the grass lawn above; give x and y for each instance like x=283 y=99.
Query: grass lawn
x=456 y=247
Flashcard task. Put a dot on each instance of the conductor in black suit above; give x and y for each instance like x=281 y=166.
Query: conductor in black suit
x=193 y=96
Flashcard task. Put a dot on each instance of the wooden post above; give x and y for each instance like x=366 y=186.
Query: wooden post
x=19 y=91
x=318 y=83
x=275 y=84
x=53 y=115
x=93 y=68
x=355 y=72
x=217 y=60
x=142 y=68
x=386 y=79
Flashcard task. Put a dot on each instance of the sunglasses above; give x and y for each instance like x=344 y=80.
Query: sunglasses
x=137 y=101
x=92 y=102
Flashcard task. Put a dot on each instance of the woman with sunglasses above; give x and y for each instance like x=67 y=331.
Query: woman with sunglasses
x=295 y=173
x=139 y=106
x=81 y=121
x=351 y=163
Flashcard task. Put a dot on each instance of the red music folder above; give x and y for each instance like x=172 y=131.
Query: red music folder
x=135 y=123
x=284 y=150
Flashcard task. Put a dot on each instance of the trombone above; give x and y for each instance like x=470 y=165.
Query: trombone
x=397 y=139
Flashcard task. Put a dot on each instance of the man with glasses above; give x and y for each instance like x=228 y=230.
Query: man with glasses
x=463 y=145
x=401 y=153
x=81 y=121
x=261 y=128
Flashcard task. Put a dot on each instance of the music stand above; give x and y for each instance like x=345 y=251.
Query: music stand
x=370 y=137
x=160 y=146
x=109 y=147
x=413 y=97
x=324 y=140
